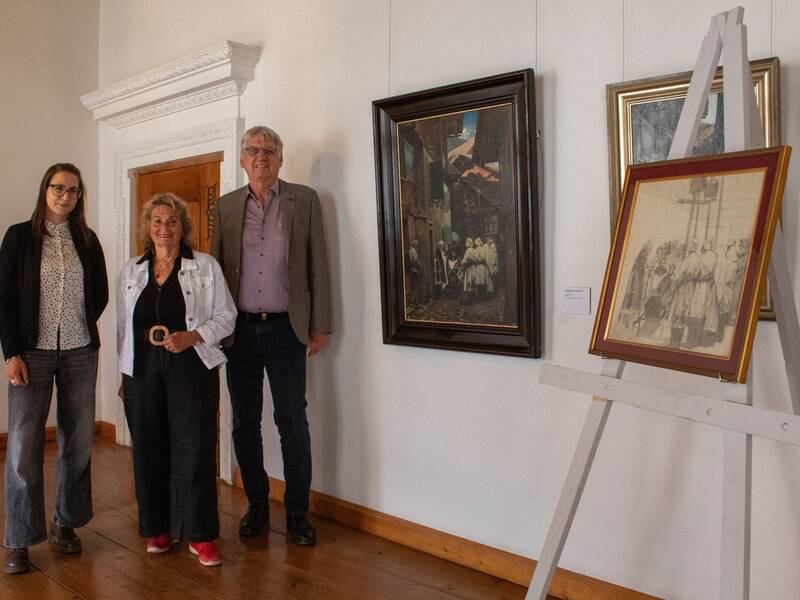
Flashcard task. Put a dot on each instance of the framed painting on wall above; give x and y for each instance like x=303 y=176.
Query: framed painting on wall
x=643 y=115
x=688 y=262
x=458 y=218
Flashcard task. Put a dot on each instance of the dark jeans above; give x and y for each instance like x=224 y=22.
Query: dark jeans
x=270 y=345
x=171 y=404
x=75 y=373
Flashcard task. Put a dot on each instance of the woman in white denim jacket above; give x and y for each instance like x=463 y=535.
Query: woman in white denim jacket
x=173 y=309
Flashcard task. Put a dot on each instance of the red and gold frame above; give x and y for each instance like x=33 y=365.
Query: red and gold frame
x=691 y=233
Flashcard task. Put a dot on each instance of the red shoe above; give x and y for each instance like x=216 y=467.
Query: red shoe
x=160 y=543
x=207 y=553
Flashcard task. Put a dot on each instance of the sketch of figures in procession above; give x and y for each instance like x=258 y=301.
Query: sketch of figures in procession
x=458 y=210
x=685 y=261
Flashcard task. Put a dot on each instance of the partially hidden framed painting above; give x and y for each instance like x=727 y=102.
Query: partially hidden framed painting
x=458 y=216
x=643 y=115
x=688 y=261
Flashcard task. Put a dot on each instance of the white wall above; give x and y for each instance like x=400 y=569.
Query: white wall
x=467 y=443
x=48 y=58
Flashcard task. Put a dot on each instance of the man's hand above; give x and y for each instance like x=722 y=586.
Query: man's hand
x=316 y=342
x=17 y=372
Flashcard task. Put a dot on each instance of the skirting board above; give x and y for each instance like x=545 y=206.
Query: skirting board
x=566 y=585
x=103 y=430
x=106 y=431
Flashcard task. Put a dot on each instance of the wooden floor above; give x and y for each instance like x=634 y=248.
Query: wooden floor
x=345 y=564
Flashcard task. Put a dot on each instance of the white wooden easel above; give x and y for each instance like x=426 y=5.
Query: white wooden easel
x=733 y=409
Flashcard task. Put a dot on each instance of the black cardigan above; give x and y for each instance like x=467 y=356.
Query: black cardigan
x=20 y=265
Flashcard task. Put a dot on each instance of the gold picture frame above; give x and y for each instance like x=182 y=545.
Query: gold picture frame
x=643 y=115
x=689 y=260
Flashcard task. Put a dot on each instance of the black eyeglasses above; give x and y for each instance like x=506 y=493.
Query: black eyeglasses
x=59 y=190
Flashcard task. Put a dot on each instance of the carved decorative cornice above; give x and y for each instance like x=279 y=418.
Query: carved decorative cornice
x=224 y=90
x=220 y=71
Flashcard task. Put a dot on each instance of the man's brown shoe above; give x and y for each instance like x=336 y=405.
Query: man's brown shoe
x=64 y=539
x=16 y=560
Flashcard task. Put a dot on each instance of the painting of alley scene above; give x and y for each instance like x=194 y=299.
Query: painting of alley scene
x=458 y=210
x=685 y=261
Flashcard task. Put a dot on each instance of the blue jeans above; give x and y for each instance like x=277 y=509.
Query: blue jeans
x=75 y=373
x=270 y=345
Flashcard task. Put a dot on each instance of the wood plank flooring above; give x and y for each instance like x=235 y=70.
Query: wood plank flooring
x=346 y=563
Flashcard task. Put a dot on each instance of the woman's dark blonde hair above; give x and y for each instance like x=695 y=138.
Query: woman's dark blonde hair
x=178 y=206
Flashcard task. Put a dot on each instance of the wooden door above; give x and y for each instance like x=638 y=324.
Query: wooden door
x=195 y=180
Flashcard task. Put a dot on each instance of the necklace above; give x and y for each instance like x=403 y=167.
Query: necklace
x=163 y=268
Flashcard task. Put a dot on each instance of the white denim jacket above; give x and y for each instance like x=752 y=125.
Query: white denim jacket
x=209 y=306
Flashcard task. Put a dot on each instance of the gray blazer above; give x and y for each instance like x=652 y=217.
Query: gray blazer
x=309 y=279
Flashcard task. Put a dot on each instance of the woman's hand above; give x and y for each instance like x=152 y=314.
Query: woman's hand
x=17 y=372
x=181 y=340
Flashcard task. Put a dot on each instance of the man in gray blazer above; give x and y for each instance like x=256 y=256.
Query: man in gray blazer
x=269 y=239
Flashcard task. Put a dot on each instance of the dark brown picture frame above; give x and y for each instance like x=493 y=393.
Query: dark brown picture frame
x=689 y=261
x=456 y=174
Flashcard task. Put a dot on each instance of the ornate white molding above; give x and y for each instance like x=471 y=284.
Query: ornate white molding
x=218 y=72
x=223 y=136
x=225 y=90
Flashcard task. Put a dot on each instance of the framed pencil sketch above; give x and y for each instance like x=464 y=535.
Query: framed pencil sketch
x=688 y=262
x=458 y=217
x=643 y=115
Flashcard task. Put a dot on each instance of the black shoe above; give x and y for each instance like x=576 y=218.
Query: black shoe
x=255 y=520
x=299 y=531
x=16 y=560
x=64 y=538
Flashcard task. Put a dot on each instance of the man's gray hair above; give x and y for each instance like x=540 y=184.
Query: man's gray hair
x=263 y=131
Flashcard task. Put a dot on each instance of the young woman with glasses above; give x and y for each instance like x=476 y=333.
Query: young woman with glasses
x=53 y=289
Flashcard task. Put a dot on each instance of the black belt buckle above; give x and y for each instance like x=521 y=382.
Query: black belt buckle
x=157 y=335
x=265 y=316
